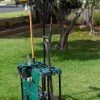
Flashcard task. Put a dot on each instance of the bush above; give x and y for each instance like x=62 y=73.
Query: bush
x=96 y=17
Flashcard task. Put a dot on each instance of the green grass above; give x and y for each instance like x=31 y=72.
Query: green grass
x=80 y=65
x=2 y=2
x=13 y=14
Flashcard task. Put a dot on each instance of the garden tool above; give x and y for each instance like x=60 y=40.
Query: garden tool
x=31 y=32
x=47 y=43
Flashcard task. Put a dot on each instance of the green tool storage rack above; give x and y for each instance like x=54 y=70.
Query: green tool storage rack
x=30 y=78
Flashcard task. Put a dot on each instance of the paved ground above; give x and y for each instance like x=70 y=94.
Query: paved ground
x=10 y=8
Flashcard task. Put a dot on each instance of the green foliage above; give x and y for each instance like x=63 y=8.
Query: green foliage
x=70 y=4
x=91 y=3
x=96 y=18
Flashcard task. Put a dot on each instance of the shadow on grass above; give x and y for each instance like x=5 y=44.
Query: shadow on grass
x=97 y=97
x=79 y=50
x=68 y=97
x=36 y=33
x=91 y=89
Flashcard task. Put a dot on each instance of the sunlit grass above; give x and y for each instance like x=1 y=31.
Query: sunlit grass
x=4 y=2
x=13 y=14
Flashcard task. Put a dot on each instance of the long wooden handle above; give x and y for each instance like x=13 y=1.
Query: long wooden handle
x=31 y=33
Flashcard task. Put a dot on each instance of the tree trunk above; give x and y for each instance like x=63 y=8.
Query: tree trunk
x=65 y=34
x=88 y=17
x=91 y=22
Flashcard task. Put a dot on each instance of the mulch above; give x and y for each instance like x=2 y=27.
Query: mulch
x=24 y=27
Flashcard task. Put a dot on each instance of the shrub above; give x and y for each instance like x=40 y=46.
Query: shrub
x=96 y=17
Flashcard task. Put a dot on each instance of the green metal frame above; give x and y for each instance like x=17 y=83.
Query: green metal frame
x=31 y=76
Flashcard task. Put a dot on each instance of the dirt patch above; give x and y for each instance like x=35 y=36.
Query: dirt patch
x=24 y=27
x=6 y=24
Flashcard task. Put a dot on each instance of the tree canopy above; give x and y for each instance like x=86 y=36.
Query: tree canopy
x=64 y=6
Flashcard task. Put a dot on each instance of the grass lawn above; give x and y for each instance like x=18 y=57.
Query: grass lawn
x=2 y=2
x=80 y=65
x=13 y=14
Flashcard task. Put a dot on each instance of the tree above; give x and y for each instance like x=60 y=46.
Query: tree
x=88 y=14
x=62 y=8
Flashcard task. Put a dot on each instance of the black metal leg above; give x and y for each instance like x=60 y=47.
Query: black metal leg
x=44 y=83
x=22 y=88
x=43 y=88
x=48 y=88
x=59 y=86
